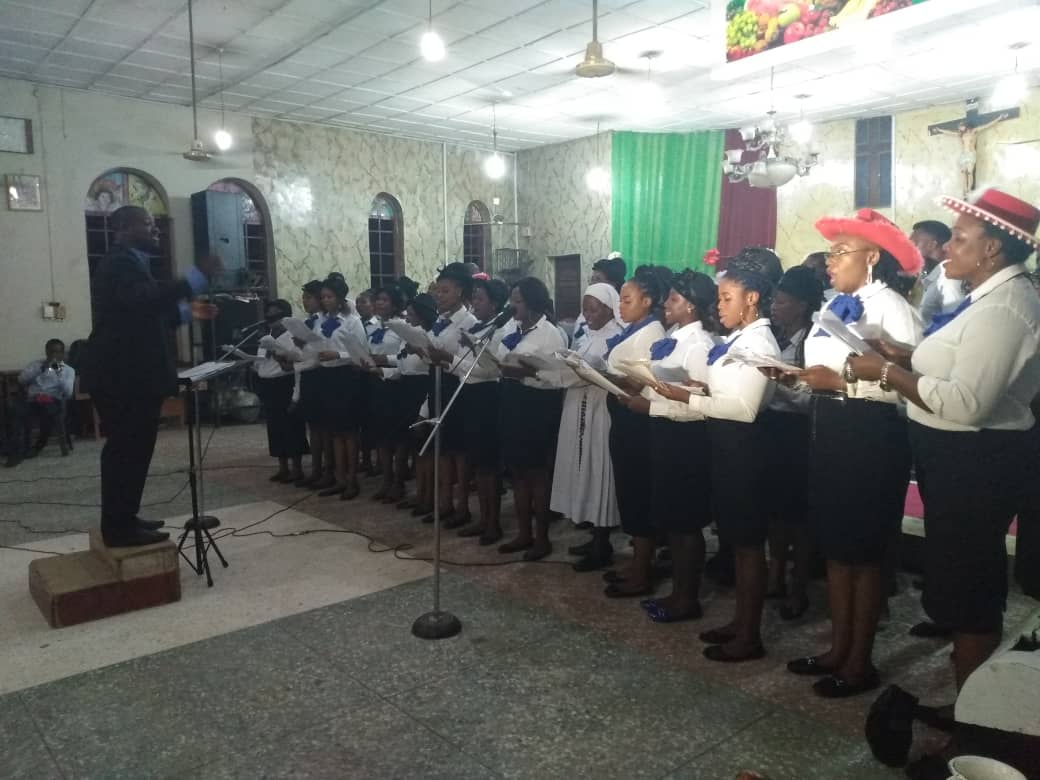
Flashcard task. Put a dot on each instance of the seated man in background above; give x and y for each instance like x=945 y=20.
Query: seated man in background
x=48 y=384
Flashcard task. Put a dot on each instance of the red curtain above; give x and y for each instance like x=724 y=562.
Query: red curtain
x=747 y=215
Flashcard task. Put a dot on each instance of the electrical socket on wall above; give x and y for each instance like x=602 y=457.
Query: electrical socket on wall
x=53 y=310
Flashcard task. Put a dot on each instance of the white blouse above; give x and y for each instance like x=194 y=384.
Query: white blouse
x=447 y=339
x=467 y=356
x=269 y=367
x=591 y=346
x=794 y=400
x=739 y=392
x=543 y=339
x=691 y=354
x=349 y=323
x=635 y=347
x=886 y=315
x=982 y=369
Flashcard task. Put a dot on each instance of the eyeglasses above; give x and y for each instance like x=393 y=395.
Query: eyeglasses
x=832 y=255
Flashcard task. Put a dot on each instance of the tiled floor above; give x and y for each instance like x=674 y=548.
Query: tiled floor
x=547 y=680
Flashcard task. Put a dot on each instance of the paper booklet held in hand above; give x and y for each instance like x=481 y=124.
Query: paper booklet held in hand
x=414 y=337
x=535 y=361
x=831 y=324
x=299 y=330
x=574 y=362
x=644 y=372
x=748 y=358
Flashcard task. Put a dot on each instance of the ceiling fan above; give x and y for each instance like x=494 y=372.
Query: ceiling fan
x=595 y=65
x=197 y=151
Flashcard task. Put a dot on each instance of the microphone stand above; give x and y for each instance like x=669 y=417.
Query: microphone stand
x=439 y=624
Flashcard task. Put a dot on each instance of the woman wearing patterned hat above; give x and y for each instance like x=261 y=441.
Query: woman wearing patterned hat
x=969 y=385
x=859 y=459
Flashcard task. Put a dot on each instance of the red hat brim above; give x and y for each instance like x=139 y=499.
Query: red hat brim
x=973 y=210
x=884 y=234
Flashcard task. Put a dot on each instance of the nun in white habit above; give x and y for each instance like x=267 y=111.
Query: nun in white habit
x=583 y=478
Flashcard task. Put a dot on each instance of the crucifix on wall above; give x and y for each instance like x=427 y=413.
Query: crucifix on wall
x=967 y=129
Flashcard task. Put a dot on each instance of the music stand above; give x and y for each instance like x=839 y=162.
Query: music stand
x=200 y=524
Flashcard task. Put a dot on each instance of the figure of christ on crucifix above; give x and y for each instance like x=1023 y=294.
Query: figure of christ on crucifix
x=967 y=129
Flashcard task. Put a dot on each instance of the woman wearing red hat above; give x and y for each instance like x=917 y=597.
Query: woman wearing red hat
x=969 y=385
x=859 y=464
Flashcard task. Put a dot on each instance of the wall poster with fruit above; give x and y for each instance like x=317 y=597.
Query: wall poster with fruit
x=754 y=26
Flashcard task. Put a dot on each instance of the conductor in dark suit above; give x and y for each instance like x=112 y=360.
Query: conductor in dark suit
x=130 y=366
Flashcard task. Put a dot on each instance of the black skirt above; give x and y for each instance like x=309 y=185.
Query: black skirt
x=384 y=402
x=630 y=446
x=413 y=394
x=453 y=439
x=680 y=456
x=480 y=402
x=787 y=476
x=972 y=483
x=311 y=395
x=738 y=469
x=286 y=430
x=859 y=469
x=528 y=424
x=342 y=406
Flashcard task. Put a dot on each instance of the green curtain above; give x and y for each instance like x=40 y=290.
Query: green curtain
x=667 y=188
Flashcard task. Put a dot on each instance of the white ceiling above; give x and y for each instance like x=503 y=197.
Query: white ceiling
x=355 y=63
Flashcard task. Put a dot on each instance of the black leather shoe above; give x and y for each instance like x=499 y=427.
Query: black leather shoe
x=149 y=525
x=809 y=666
x=718 y=653
x=580 y=549
x=929 y=630
x=837 y=687
x=137 y=537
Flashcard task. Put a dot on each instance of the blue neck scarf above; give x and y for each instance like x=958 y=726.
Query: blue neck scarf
x=480 y=326
x=721 y=349
x=942 y=320
x=514 y=338
x=613 y=341
x=440 y=325
x=662 y=348
x=847 y=307
x=309 y=322
x=329 y=326
x=377 y=335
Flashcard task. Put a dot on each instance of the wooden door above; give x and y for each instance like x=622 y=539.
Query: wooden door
x=567 y=292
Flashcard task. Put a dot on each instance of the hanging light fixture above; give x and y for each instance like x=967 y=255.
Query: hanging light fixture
x=197 y=151
x=802 y=130
x=222 y=138
x=1011 y=89
x=597 y=178
x=431 y=44
x=494 y=164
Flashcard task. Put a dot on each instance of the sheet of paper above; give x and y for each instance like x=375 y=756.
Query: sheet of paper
x=754 y=360
x=831 y=323
x=412 y=336
x=646 y=373
x=206 y=370
x=535 y=361
x=586 y=372
x=299 y=330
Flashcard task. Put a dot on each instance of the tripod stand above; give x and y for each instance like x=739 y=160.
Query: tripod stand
x=199 y=524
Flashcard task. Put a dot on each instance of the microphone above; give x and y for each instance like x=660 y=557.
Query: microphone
x=503 y=318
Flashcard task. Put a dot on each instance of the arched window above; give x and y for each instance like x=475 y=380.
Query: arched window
x=256 y=229
x=385 y=239
x=476 y=235
x=127 y=187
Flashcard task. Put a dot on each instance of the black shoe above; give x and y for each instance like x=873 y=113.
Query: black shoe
x=718 y=653
x=837 y=687
x=809 y=666
x=580 y=549
x=453 y=521
x=592 y=562
x=149 y=525
x=537 y=552
x=928 y=630
x=716 y=636
x=889 y=727
x=584 y=525
x=136 y=537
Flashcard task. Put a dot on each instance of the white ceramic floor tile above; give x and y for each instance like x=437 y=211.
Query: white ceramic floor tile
x=267 y=579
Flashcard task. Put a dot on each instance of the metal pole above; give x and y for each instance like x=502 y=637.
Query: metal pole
x=437 y=492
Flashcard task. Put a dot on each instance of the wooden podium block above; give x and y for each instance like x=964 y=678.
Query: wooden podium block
x=131 y=563
x=101 y=582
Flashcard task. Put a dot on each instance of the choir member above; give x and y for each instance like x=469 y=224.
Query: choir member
x=583 y=477
x=607 y=270
x=414 y=372
x=286 y=429
x=452 y=292
x=856 y=510
x=479 y=403
x=629 y=442
x=734 y=396
x=342 y=400
x=969 y=385
x=786 y=421
x=310 y=395
x=383 y=394
x=680 y=504
x=529 y=418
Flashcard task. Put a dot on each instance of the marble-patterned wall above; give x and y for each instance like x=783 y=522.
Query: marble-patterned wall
x=320 y=181
x=563 y=214
x=924 y=168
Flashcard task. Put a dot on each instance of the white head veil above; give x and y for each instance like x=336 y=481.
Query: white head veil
x=607 y=295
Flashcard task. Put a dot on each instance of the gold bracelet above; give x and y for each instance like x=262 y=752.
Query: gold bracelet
x=884 y=376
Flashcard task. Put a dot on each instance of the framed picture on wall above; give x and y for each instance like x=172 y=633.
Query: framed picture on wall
x=23 y=192
x=16 y=135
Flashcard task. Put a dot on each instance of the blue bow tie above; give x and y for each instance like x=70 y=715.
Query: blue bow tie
x=309 y=322
x=479 y=327
x=718 y=351
x=662 y=348
x=377 y=335
x=849 y=308
x=579 y=332
x=942 y=320
x=440 y=325
x=329 y=326
x=513 y=339
x=613 y=341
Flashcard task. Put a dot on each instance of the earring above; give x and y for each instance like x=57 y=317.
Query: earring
x=870 y=273
x=689 y=310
